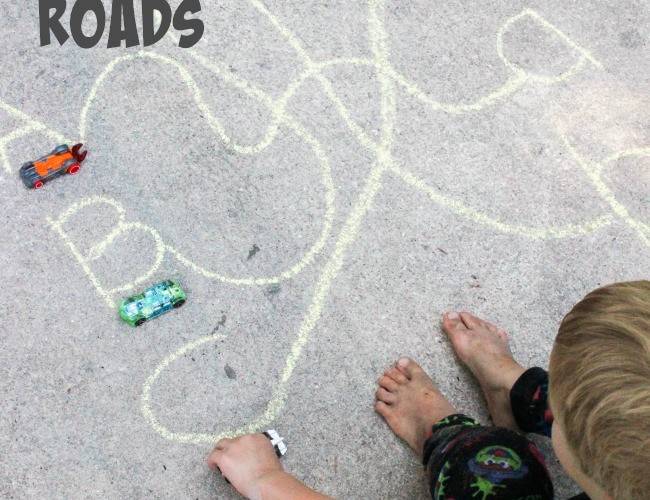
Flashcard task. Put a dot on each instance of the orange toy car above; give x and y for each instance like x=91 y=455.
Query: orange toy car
x=62 y=160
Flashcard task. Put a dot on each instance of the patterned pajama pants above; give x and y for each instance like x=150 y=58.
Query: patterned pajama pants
x=465 y=460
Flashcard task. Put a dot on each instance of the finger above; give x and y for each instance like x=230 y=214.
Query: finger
x=214 y=458
x=223 y=444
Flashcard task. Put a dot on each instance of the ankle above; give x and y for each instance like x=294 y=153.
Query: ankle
x=504 y=375
x=512 y=374
x=426 y=429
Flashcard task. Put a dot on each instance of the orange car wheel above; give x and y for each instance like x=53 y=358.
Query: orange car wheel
x=38 y=184
x=73 y=169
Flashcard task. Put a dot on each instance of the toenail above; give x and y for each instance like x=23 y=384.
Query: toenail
x=403 y=361
x=452 y=315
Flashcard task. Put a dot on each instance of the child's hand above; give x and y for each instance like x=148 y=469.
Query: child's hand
x=245 y=461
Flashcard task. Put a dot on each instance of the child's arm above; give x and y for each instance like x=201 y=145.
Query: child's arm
x=281 y=485
x=252 y=467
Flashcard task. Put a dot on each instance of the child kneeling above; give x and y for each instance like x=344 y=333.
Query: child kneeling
x=598 y=389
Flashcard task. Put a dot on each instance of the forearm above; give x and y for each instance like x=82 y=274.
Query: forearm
x=279 y=485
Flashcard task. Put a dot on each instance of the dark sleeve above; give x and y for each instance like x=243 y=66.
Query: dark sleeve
x=529 y=402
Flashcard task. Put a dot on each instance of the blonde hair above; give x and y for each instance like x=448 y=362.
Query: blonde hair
x=600 y=386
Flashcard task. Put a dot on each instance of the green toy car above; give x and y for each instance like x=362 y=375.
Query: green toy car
x=154 y=301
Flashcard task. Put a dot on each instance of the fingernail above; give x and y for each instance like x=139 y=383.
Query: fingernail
x=452 y=315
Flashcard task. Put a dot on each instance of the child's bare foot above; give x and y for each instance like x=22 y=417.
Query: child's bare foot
x=410 y=402
x=484 y=349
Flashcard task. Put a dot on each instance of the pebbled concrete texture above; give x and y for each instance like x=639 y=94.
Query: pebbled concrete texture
x=325 y=179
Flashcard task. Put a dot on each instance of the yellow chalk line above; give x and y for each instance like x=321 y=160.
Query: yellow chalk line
x=347 y=236
x=160 y=254
x=550 y=28
x=593 y=171
x=313 y=70
x=280 y=115
x=145 y=399
x=279 y=393
x=567 y=231
x=330 y=271
x=31 y=126
x=366 y=199
x=278 y=107
x=622 y=154
x=5 y=140
x=185 y=75
x=386 y=74
x=384 y=161
x=514 y=83
x=510 y=87
x=82 y=262
x=86 y=202
x=553 y=29
x=381 y=51
x=284 y=31
x=83 y=117
x=57 y=225
x=16 y=113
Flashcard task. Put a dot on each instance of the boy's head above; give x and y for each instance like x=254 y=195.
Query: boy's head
x=600 y=390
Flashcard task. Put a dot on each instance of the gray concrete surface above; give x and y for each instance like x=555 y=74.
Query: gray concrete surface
x=427 y=157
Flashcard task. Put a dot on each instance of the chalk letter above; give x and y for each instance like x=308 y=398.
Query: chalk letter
x=123 y=11
x=79 y=10
x=196 y=25
x=149 y=33
x=52 y=23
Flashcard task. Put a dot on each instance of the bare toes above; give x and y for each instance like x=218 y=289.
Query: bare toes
x=383 y=395
x=396 y=375
x=452 y=324
x=383 y=409
x=495 y=330
x=470 y=321
x=388 y=383
x=491 y=327
x=410 y=368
